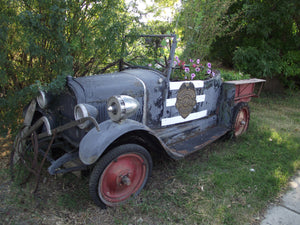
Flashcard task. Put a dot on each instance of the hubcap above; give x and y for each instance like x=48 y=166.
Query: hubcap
x=122 y=178
x=241 y=122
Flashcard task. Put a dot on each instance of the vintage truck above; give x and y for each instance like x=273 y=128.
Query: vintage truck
x=113 y=123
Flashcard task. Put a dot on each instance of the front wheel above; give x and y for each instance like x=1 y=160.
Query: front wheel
x=240 y=120
x=120 y=174
x=20 y=156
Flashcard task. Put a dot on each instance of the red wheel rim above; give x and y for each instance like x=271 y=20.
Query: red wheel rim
x=241 y=122
x=122 y=178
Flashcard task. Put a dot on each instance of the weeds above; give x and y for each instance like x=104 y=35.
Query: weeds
x=229 y=182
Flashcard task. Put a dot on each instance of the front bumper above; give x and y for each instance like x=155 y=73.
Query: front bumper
x=28 y=134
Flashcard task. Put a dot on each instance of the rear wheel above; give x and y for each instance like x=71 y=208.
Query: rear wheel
x=120 y=174
x=241 y=118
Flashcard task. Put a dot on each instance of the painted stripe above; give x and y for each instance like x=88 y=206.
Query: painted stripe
x=172 y=101
x=179 y=119
x=176 y=85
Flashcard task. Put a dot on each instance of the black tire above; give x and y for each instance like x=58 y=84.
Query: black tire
x=119 y=175
x=240 y=120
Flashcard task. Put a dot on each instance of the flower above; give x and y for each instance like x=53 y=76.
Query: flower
x=193 y=70
x=181 y=63
x=149 y=64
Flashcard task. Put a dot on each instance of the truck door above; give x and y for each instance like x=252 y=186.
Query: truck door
x=191 y=100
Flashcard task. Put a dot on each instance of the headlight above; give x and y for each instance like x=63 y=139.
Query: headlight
x=82 y=111
x=121 y=107
x=42 y=100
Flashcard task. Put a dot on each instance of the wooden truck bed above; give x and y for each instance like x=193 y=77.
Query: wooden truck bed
x=244 y=89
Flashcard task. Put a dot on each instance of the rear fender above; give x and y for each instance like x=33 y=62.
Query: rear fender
x=94 y=143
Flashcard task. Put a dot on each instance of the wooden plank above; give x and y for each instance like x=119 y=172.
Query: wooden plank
x=248 y=81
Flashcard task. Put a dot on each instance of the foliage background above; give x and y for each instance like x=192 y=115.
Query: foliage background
x=41 y=42
x=262 y=40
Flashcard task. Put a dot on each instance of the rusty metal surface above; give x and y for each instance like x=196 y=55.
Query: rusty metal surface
x=173 y=134
x=225 y=105
x=244 y=89
x=199 y=141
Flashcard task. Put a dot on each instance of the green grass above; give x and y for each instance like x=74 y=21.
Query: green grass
x=228 y=182
x=239 y=178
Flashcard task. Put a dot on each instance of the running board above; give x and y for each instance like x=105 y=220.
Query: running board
x=195 y=143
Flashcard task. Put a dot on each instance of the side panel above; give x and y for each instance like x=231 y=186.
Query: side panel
x=155 y=86
x=207 y=93
x=226 y=104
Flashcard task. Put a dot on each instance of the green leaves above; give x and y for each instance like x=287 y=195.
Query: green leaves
x=46 y=40
x=263 y=39
x=200 y=22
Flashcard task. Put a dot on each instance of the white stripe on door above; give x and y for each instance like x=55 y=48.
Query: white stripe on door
x=180 y=119
x=176 y=85
x=172 y=101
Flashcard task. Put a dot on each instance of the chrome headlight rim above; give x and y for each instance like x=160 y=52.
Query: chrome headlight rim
x=82 y=110
x=120 y=107
x=42 y=100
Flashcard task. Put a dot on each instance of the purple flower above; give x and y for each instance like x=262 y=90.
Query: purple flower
x=175 y=63
x=198 y=61
x=209 y=65
x=193 y=76
x=185 y=77
x=197 y=69
x=176 y=57
x=187 y=70
x=149 y=64
x=191 y=60
x=213 y=74
x=208 y=71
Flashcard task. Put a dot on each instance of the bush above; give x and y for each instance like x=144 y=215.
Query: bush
x=258 y=61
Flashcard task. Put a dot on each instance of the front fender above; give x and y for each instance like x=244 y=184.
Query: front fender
x=94 y=143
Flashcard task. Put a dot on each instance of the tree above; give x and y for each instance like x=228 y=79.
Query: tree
x=200 y=22
x=264 y=40
x=42 y=41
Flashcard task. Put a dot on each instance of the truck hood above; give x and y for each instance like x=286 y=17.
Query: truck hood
x=97 y=89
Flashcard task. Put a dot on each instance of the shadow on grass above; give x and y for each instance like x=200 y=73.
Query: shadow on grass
x=228 y=182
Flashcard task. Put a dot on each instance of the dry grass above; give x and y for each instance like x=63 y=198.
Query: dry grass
x=214 y=186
